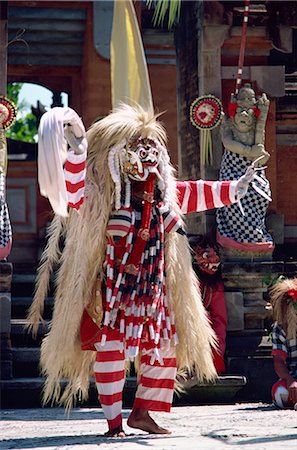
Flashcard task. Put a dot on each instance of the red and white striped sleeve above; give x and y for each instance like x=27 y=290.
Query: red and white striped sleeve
x=75 y=174
x=200 y=195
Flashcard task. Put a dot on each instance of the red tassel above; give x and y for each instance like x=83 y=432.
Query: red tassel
x=143 y=233
x=232 y=107
x=257 y=112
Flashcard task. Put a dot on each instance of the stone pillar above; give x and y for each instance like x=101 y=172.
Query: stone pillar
x=3 y=47
x=210 y=82
x=5 y=268
x=212 y=34
x=199 y=36
x=187 y=90
x=5 y=319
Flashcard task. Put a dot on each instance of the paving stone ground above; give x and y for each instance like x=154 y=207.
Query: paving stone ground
x=246 y=426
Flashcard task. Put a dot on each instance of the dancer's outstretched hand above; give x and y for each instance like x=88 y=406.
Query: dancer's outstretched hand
x=78 y=144
x=245 y=180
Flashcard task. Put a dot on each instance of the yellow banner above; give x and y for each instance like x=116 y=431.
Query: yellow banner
x=129 y=73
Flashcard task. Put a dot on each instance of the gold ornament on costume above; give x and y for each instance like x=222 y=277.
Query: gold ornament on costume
x=144 y=233
x=129 y=168
x=132 y=269
x=94 y=307
x=148 y=196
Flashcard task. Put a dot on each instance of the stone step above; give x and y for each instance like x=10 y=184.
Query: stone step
x=21 y=337
x=20 y=306
x=265 y=346
x=26 y=392
x=26 y=362
x=259 y=373
x=26 y=354
x=26 y=278
x=243 y=342
x=23 y=284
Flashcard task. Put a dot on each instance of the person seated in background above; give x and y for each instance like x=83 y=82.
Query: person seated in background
x=207 y=265
x=284 y=342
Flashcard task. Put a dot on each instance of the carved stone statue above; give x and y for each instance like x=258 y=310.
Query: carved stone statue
x=241 y=227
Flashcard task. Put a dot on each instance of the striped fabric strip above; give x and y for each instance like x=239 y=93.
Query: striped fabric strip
x=76 y=164
x=119 y=224
x=208 y=196
x=75 y=173
x=73 y=188
x=168 y=362
x=110 y=413
x=172 y=222
x=109 y=371
x=108 y=355
x=152 y=405
x=115 y=423
x=110 y=399
x=157 y=383
x=155 y=389
x=76 y=204
x=156 y=394
x=200 y=195
x=109 y=366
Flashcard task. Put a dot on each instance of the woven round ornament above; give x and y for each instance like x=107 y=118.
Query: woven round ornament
x=206 y=112
x=8 y=112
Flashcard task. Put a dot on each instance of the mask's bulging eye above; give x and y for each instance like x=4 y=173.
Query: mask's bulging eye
x=142 y=153
x=155 y=152
x=205 y=255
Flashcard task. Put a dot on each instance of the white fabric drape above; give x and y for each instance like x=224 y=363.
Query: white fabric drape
x=52 y=154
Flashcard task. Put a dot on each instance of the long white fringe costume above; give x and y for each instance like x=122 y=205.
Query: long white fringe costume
x=85 y=275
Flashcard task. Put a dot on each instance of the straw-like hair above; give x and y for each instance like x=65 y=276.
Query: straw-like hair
x=82 y=264
x=283 y=310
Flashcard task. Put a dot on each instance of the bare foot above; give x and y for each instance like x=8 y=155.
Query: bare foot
x=140 y=418
x=116 y=432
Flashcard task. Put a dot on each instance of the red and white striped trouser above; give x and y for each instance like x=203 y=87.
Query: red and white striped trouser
x=156 y=384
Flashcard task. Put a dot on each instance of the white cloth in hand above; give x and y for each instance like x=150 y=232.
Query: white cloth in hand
x=52 y=154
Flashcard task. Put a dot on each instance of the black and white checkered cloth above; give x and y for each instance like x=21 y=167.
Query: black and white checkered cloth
x=5 y=227
x=280 y=342
x=230 y=221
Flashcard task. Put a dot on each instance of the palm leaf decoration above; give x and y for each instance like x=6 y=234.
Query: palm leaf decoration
x=161 y=9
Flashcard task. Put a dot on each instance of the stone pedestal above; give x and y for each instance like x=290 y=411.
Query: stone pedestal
x=246 y=285
x=5 y=319
x=248 y=346
x=235 y=255
x=247 y=301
